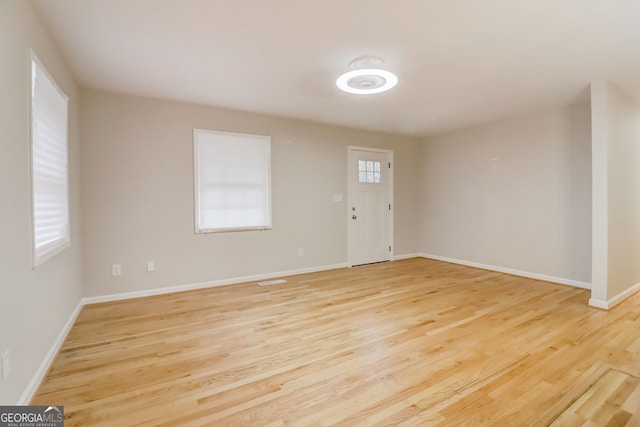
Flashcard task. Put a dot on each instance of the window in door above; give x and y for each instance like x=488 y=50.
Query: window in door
x=369 y=171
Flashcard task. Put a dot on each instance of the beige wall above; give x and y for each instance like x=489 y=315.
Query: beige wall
x=34 y=304
x=514 y=194
x=137 y=190
x=616 y=176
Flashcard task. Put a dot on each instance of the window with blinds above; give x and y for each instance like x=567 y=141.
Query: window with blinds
x=232 y=174
x=49 y=165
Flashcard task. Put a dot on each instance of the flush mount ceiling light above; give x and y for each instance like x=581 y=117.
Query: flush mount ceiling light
x=366 y=77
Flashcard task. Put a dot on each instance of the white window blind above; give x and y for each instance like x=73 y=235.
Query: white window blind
x=49 y=165
x=232 y=181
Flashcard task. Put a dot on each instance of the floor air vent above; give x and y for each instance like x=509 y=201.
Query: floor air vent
x=272 y=282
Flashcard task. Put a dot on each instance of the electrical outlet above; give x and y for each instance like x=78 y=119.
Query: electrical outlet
x=151 y=266
x=300 y=252
x=116 y=270
x=6 y=367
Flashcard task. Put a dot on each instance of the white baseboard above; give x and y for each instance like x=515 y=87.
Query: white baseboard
x=210 y=284
x=612 y=302
x=405 y=256
x=33 y=385
x=598 y=303
x=623 y=295
x=562 y=281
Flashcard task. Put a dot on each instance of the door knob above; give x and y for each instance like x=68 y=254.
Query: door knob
x=353 y=217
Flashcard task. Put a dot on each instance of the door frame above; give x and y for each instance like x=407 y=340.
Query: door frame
x=350 y=172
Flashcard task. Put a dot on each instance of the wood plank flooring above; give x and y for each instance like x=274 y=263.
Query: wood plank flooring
x=612 y=401
x=414 y=342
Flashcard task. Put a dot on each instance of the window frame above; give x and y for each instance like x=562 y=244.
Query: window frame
x=196 y=182
x=47 y=251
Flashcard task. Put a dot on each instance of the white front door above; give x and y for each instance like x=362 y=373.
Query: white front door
x=370 y=205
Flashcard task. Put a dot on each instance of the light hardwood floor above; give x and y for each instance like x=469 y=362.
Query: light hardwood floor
x=412 y=342
x=612 y=401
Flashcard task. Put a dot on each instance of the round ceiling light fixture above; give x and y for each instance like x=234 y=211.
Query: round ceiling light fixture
x=366 y=77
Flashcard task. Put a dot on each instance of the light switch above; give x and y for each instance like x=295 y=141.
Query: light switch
x=116 y=270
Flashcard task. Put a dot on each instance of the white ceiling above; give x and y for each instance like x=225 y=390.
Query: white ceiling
x=459 y=62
